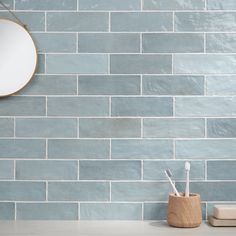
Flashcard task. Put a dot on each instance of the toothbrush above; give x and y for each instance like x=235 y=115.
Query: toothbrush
x=187 y=168
x=168 y=175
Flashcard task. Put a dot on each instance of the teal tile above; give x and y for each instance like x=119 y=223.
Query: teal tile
x=205 y=106
x=206 y=149
x=221 y=128
x=78 y=106
x=221 y=85
x=78 y=149
x=46 y=127
x=172 y=43
x=47 y=211
x=6 y=127
x=173 y=85
x=6 y=169
x=8 y=3
x=154 y=170
x=221 y=5
x=141 y=21
x=78 y=191
x=77 y=21
x=77 y=64
x=109 y=128
x=221 y=170
x=109 y=43
x=46 y=5
x=173 y=5
x=23 y=106
x=173 y=128
x=212 y=191
x=205 y=21
x=41 y=64
x=51 y=85
x=113 y=5
x=110 y=170
x=22 y=191
x=140 y=64
x=22 y=148
x=55 y=42
x=138 y=106
x=7 y=210
x=109 y=85
x=110 y=211
x=35 y=21
x=221 y=43
x=46 y=170
x=141 y=149
x=139 y=191
x=204 y=64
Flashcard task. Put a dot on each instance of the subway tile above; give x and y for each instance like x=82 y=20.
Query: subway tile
x=109 y=85
x=40 y=65
x=141 y=106
x=47 y=211
x=174 y=128
x=221 y=170
x=46 y=170
x=140 y=64
x=22 y=191
x=110 y=211
x=173 y=85
x=173 y=5
x=221 y=128
x=110 y=170
x=46 y=127
x=51 y=85
x=212 y=191
x=112 y=5
x=8 y=3
x=109 y=43
x=35 y=21
x=7 y=210
x=77 y=21
x=205 y=21
x=110 y=128
x=204 y=64
x=6 y=170
x=77 y=64
x=78 y=106
x=221 y=5
x=221 y=85
x=205 y=106
x=6 y=127
x=172 y=43
x=139 y=191
x=78 y=149
x=158 y=211
x=205 y=149
x=78 y=191
x=55 y=42
x=141 y=149
x=154 y=170
x=141 y=21
x=23 y=106
x=46 y=5
x=220 y=43
x=22 y=148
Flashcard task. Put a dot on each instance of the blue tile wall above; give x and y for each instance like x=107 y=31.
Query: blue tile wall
x=123 y=90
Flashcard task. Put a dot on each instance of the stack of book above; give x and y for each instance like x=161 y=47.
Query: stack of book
x=223 y=215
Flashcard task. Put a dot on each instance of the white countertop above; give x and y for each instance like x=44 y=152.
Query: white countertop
x=105 y=228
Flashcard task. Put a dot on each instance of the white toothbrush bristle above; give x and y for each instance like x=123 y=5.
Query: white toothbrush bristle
x=168 y=172
x=187 y=166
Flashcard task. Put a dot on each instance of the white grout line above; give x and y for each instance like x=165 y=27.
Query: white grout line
x=46 y=191
x=79 y=208
x=78 y=171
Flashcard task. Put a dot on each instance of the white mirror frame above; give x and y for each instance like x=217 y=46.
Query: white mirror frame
x=18 y=57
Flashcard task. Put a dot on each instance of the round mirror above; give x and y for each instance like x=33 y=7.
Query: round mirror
x=18 y=57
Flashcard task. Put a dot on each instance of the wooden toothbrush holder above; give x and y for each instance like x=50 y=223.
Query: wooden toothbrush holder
x=184 y=212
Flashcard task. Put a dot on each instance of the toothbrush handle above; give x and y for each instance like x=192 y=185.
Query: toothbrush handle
x=173 y=186
x=187 y=185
